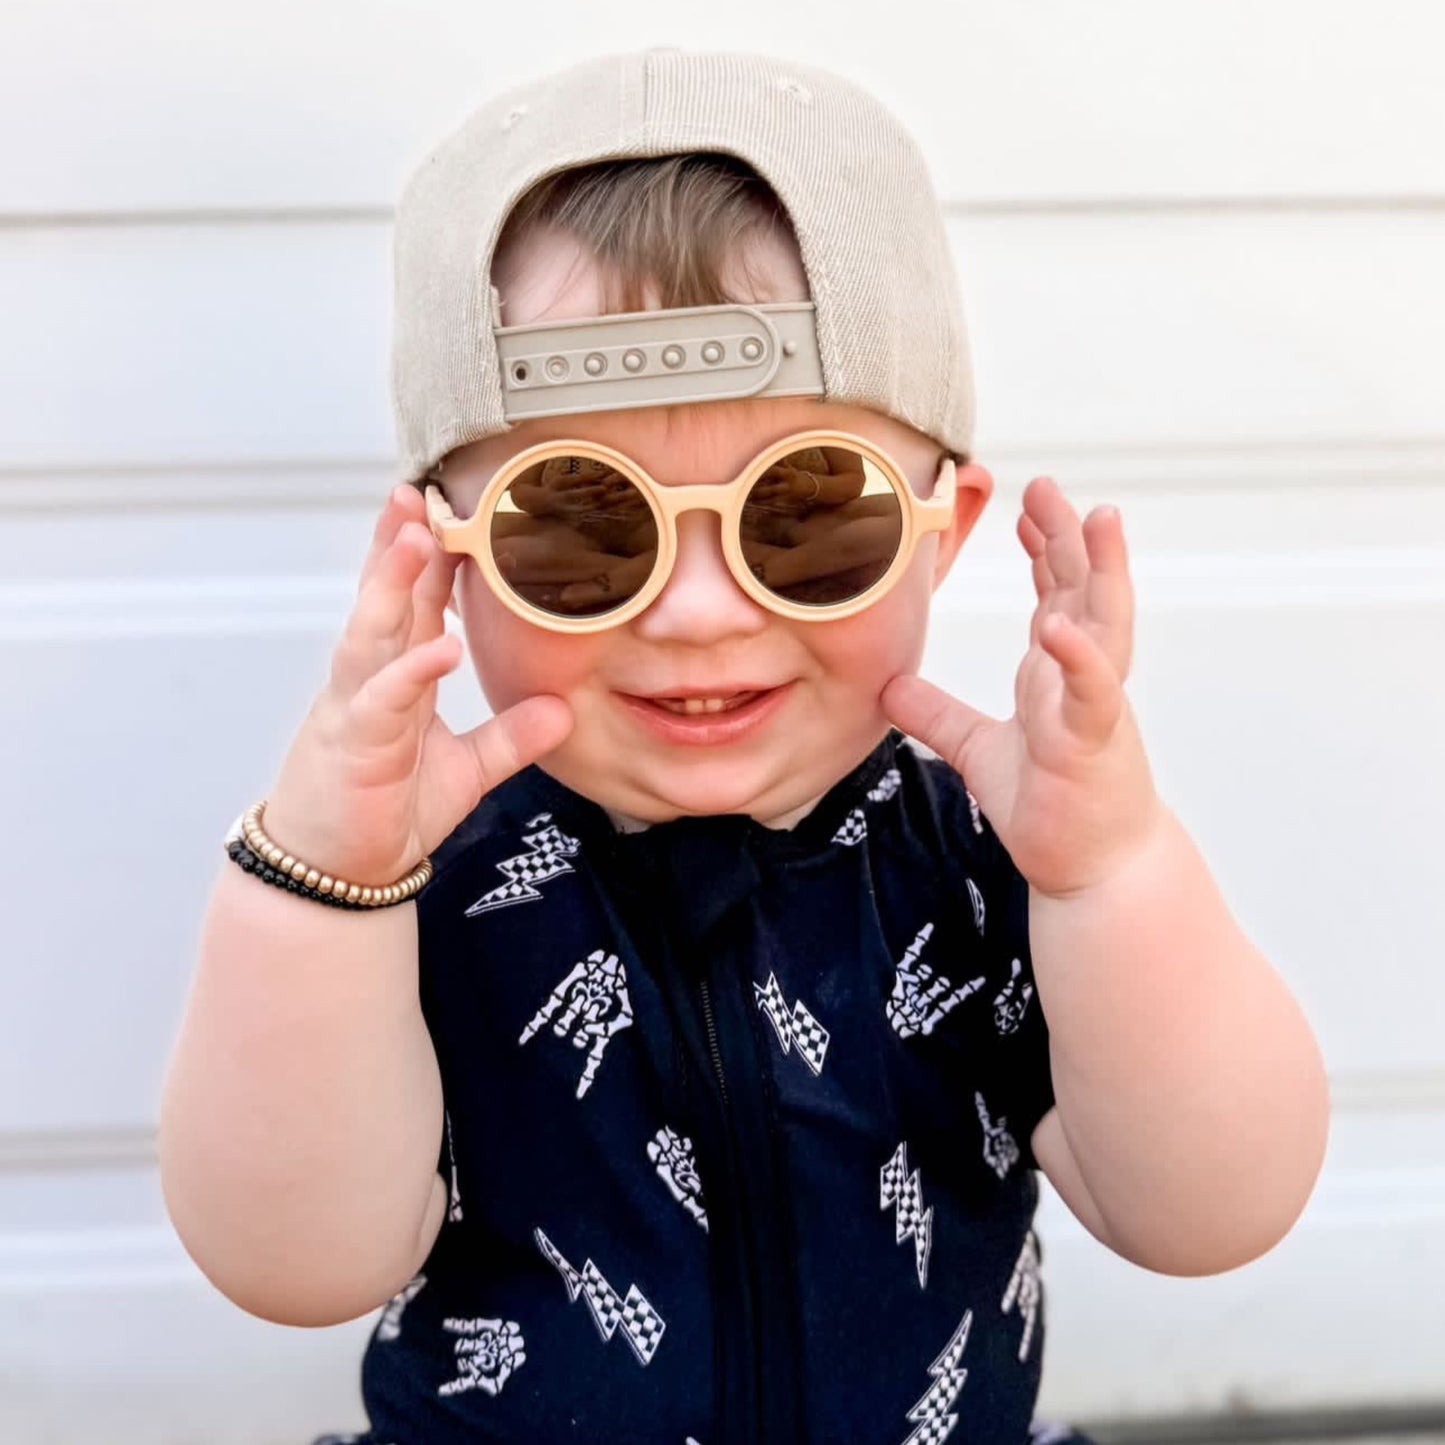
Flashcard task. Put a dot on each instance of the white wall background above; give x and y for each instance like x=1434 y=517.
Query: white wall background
x=1202 y=247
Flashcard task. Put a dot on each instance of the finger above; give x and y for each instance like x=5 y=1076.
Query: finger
x=384 y=709
x=380 y=624
x=405 y=504
x=1109 y=597
x=1044 y=585
x=431 y=592
x=1054 y=516
x=1093 y=694
x=1031 y=537
x=517 y=738
x=938 y=720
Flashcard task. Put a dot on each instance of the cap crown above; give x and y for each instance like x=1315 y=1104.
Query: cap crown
x=890 y=327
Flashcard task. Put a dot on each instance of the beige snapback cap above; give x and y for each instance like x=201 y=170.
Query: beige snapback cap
x=885 y=327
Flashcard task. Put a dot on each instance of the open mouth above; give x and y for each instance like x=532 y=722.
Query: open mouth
x=697 y=706
x=707 y=719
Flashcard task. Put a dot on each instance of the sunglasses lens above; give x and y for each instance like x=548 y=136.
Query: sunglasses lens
x=574 y=537
x=821 y=526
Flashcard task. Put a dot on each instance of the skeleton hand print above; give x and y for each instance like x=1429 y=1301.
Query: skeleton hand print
x=593 y=1001
x=920 y=997
x=673 y=1156
x=1011 y=1003
x=487 y=1354
x=1000 y=1150
x=1025 y=1292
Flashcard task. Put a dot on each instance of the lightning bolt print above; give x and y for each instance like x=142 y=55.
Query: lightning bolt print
x=642 y=1326
x=898 y=1186
x=854 y=828
x=548 y=849
x=933 y=1414
x=796 y=1029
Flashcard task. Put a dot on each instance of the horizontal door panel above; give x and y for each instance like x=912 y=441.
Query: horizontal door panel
x=161 y=105
x=167 y=347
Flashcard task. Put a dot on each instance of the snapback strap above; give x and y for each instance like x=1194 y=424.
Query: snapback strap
x=659 y=358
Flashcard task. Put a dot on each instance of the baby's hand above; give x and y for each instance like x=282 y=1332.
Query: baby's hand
x=375 y=779
x=1064 y=781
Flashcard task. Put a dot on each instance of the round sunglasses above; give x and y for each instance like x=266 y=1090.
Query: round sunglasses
x=577 y=537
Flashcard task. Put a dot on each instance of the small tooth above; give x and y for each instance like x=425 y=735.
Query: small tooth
x=713 y=704
x=694 y=705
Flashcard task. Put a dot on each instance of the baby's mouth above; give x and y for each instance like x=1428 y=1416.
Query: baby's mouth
x=696 y=706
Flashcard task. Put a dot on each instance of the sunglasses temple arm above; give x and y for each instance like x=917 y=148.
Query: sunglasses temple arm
x=938 y=509
x=444 y=523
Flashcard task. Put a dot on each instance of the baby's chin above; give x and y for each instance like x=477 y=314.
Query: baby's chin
x=708 y=793
x=777 y=792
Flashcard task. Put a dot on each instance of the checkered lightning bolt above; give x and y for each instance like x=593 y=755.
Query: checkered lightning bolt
x=854 y=828
x=641 y=1324
x=898 y=1186
x=795 y=1028
x=933 y=1414
x=1025 y=1291
x=548 y=849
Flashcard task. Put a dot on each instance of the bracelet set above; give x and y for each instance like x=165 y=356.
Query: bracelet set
x=248 y=846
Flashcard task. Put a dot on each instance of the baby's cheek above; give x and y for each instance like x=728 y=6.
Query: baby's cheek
x=880 y=642
x=515 y=660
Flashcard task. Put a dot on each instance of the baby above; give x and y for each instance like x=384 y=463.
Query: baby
x=674 y=1054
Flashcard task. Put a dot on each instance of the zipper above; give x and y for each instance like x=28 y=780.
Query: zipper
x=710 y=1024
x=744 y=1387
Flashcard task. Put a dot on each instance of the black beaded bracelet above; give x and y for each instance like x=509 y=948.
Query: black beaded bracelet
x=248 y=846
x=240 y=854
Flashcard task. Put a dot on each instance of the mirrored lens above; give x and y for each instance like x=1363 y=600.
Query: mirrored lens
x=821 y=526
x=574 y=537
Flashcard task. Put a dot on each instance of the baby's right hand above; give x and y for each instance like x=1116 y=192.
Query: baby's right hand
x=375 y=779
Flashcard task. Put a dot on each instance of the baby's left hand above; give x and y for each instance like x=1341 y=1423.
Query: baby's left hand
x=1064 y=782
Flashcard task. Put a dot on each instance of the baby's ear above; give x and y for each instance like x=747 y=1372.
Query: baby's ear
x=975 y=487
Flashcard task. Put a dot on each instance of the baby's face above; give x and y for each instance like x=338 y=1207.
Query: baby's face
x=800 y=699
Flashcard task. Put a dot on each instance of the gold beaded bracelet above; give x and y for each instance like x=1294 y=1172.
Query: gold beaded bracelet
x=286 y=870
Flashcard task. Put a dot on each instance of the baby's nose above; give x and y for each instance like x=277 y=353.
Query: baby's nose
x=702 y=602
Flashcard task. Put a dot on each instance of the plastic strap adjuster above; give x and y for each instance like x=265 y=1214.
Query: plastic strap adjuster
x=659 y=358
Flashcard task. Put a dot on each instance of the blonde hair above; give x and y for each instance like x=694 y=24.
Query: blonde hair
x=678 y=224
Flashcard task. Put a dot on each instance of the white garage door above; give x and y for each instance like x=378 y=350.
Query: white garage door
x=1201 y=247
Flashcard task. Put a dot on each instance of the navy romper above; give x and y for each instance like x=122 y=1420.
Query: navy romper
x=738 y=1127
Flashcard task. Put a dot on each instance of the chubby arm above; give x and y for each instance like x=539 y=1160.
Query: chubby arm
x=302 y=1114
x=1192 y=1106
x=1191 y=1100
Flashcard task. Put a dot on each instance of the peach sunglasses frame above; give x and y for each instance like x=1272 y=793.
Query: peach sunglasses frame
x=472 y=535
